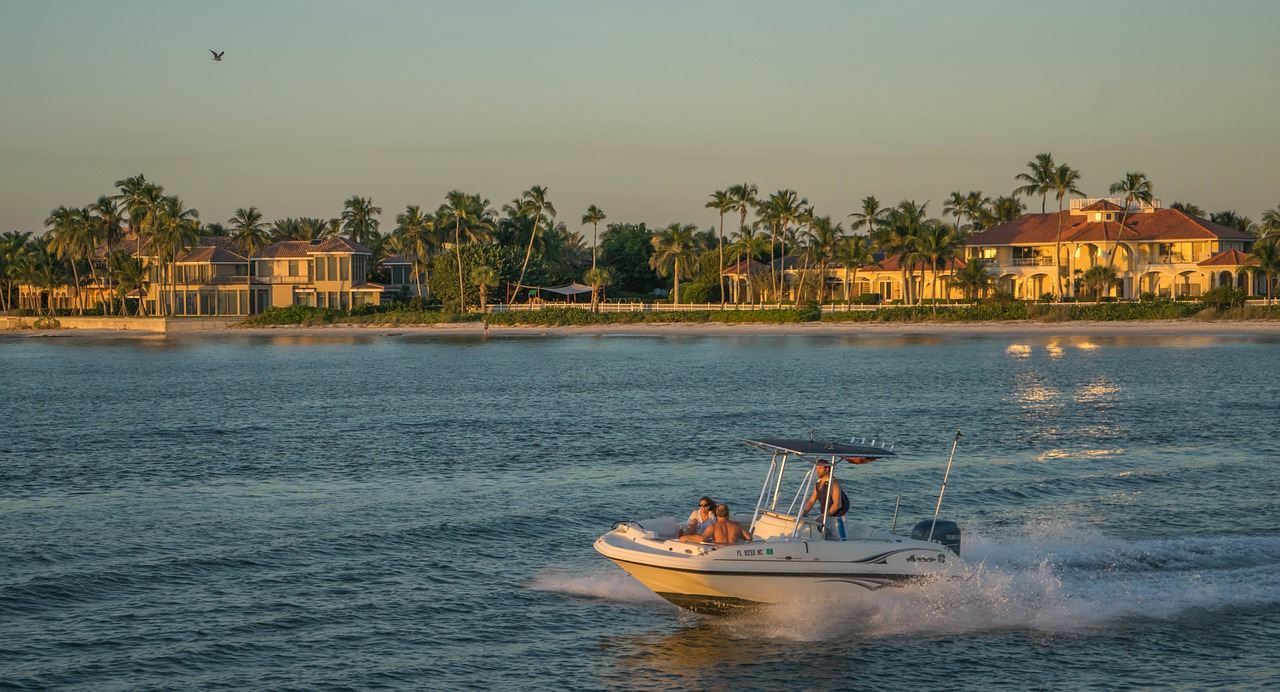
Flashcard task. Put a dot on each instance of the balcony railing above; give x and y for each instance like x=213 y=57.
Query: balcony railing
x=1078 y=204
x=1031 y=262
x=284 y=279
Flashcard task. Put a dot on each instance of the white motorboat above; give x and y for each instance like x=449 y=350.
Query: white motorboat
x=790 y=556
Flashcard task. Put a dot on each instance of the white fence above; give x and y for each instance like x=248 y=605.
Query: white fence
x=637 y=306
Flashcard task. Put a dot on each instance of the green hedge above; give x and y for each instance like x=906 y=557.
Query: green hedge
x=922 y=313
x=403 y=315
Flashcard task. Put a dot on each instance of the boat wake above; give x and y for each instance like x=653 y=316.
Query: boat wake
x=607 y=584
x=1043 y=578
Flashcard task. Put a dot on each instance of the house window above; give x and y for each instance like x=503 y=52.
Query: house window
x=293 y=267
x=886 y=289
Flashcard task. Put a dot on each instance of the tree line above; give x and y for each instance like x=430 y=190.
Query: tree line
x=468 y=252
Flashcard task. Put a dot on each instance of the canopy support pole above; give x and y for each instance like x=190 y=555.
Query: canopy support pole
x=946 y=475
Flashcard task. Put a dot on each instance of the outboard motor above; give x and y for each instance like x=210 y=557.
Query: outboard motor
x=946 y=532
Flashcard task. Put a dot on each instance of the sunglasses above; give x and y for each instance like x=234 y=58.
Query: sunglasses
x=703 y=504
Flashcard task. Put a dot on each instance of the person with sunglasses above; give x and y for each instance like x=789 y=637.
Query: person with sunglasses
x=700 y=520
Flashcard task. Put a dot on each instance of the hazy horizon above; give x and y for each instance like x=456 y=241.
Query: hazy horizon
x=641 y=110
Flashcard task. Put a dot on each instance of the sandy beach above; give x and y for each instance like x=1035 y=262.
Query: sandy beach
x=1024 y=327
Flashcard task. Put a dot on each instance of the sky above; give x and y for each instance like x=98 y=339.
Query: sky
x=641 y=108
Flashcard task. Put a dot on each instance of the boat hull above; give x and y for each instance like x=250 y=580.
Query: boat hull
x=710 y=578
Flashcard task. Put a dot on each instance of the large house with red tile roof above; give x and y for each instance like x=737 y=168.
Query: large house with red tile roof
x=1165 y=252
x=214 y=277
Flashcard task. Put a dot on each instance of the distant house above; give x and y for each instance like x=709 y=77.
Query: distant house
x=328 y=273
x=1164 y=252
x=214 y=277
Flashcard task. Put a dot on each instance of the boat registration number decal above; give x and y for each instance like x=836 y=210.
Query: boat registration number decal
x=753 y=552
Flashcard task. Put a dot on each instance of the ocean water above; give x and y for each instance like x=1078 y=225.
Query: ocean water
x=417 y=512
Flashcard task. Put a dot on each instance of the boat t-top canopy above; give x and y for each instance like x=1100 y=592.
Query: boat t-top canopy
x=859 y=452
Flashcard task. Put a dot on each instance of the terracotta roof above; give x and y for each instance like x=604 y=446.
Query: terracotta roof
x=740 y=268
x=1162 y=224
x=1103 y=205
x=394 y=259
x=894 y=264
x=1229 y=258
x=306 y=248
x=211 y=255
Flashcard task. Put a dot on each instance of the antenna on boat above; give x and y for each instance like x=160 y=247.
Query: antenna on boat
x=937 y=509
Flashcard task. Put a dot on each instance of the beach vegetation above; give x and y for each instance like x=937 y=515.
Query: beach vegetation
x=783 y=253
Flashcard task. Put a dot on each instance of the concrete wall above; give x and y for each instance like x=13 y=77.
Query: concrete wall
x=155 y=325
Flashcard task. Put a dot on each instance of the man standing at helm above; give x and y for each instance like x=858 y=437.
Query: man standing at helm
x=828 y=490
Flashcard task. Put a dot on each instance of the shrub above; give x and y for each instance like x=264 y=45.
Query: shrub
x=867 y=299
x=699 y=293
x=1224 y=297
x=294 y=314
x=1047 y=297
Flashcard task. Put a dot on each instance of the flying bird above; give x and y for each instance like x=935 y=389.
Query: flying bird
x=217 y=57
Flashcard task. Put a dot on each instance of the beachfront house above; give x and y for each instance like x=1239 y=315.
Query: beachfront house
x=1164 y=252
x=328 y=273
x=212 y=277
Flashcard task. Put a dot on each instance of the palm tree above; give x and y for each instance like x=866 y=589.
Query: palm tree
x=534 y=199
x=973 y=278
x=674 y=255
x=822 y=237
x=129 y=274
x=744 y=249
x=853 y=251
x=1000 y=210
x=1136 y=188
x=975 y=207
x=141 y=200
x=1065 y=180
x=593 y=216
x=416 y=235
x=1231 y=219
x=71 y=239
x=249 y=232
x=783 y=208
x=108 y=226
x=13 y=255
x=894 y=237
x=484 y=277
x=870 y=214
x=176 y=228
x=597 y=279
x=1099 y=277
x=1188 y=209
x=956 y=204
x=936 y=244
x=1270 y=222
x=43 y=271
x=1040 y=180
x=468 y=213
x=743 y=199
x=358 y=220
x=723 y=204
x=1266 y=254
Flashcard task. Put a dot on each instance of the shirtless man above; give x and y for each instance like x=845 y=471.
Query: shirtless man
x=725 y=530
